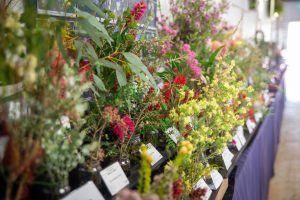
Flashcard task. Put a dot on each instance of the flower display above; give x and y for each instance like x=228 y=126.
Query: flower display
x=184 y=91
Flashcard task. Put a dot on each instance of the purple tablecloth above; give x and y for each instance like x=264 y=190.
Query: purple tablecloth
x=255 y=166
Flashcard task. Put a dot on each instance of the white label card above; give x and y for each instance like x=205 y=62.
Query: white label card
x=240 y=133
x=266 y=96
x=227 y=157
x=114 y=178
x=3 y=143
x=250 y=125
x=154 y=153
x=174 y=134
x=216 y=178
x=202 y=184
x=65 y=121
x=258 y=116
x=88 y=191
x=238 y=143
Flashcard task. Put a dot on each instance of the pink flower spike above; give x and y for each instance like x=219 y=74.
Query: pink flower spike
x=128 y=121
x=192 y=54
x=186 y=48
x=139 y=9
x=197 y=71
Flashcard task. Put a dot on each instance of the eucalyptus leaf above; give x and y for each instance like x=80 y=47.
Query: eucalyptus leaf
x=99 y=83
x=95 y=91
x=137 y=65
x=91 y=52
x=62 y=48
x=121 y=76
x=79 y=47
x=91 y=6
x=93 y=21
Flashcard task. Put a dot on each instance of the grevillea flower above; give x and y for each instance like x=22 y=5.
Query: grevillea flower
x=139 y=9
x=180 y=80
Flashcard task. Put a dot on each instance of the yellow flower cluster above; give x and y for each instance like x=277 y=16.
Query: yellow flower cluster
x=186 y=148
x=145 y=155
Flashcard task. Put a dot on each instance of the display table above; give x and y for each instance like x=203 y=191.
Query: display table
x=255 y=165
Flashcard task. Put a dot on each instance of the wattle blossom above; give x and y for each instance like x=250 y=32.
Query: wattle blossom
x=180 y=80
x=139 y=9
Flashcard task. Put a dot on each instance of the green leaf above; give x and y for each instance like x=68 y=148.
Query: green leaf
x=93 y=21
x=78 y=46
x=166 y=75
x=89 y=30
x=121 y=76
x=62 y=48
x=99 y=83
x=91 y=52
x=95 y=91
x=212 y=56
x=138 y=65
x=139 y=73
x=92 y=6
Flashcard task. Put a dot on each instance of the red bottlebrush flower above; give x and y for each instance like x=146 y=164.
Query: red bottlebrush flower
x=85 y=69
x=157 y=106
x=180 y=80
x=130 y=124
x=139 y=9
x=167 y=92
x=58 y=61
x=150 y=107
x=118 y=131
x=251 y=114
x=62 y=87
x=177 y=189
